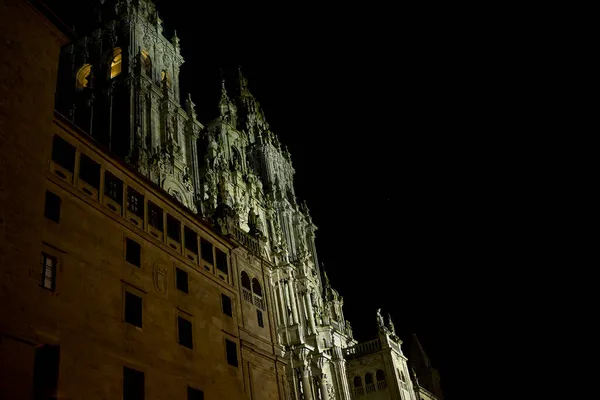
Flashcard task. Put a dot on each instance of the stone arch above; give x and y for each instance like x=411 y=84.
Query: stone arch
x=256 y=288
x=357 y=381
x=246 y=281
x=82 y=79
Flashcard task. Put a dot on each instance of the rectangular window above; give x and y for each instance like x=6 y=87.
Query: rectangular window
x=133 y=309
x=135 y=202
x=173 y=228
x=89 y=171
x=207 y=250
x=182 y=280
x=222 y=262
x=133 y=253
x=52 y=207
x=113 y=187
x=184 y=330
x=45 y=372
x=133 y=384
x=231 y=353
x=226 y=303
x=191 y=239
x=195 y=394
x=48 y=272
x=259 y=316
x=63 y=153
x=155 y=216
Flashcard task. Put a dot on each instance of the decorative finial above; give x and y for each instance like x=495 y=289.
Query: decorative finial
x=391 y=324
x=175 y=39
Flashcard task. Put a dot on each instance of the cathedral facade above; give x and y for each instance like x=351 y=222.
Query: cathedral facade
x=172 y=256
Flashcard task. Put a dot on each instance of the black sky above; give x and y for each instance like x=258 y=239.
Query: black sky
x=391 y=116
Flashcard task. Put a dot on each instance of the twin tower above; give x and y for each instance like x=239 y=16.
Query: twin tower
x=120 y=84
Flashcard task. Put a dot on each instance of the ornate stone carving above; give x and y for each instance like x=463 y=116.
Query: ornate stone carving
x=160 y=278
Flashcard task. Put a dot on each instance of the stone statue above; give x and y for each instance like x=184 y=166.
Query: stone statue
x=380 y=321
x=391 y=324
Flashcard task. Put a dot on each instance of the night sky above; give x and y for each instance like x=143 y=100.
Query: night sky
x=386 y=114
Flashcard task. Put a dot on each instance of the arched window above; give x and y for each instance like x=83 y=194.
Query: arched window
x=245 y=281
x=83 y=75
x=368 y=378
x=116 y=63
x=146 y=63
x=256 y=287
x=357 y=381
x=381 y=383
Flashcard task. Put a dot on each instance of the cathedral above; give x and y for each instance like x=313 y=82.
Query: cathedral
x=148 y=254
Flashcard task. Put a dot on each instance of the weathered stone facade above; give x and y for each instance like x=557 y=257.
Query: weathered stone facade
x=199 y=224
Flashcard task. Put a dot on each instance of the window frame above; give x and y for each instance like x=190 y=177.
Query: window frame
x=231 y=345
x=54 y=269
x=134 y=293
x=139 y=257
x=138 y=373
x=178 y=272
x=230 y=303
x=182 y=321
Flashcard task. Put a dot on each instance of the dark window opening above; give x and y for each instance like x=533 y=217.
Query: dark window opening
x=48 y=272
x=133 y=384
x=259 y=316
x=133 y=309
x=222 y=262
x=191 y=239
x=226 y=301
x=195 y=394
x=256 y=287
x=207 y=250
x=231 y=353
x=184 y=329
x=113 y=187
x=52 y=207
x=182 y=280
x=357 y=381
x=246 y=281
x=173 y=228
x=63 y=153
x=155 y=216
x=45 y=372
x=133 y=253
x=89 y=171
x=135 y=202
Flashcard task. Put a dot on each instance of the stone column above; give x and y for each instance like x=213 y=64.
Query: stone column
x=293 y=301
x=288 y=302
x=339 y=365
x=281 y=306
x=311 y=313
x=306 y=386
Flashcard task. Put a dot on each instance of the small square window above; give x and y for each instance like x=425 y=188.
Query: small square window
x=184 y=329
x=89 y=171
x=63 y=153
x=191 y=239
x=135 y=202
x=155 y=216
x=182 y=280
x=133 y=253
x=195 y=394
x=222 y=262
x=207 y=250
x=133 y=309
x=48 y=272
x=231 y=353
x=113 y=187
x=173 y=228
x=52 y=207
x=259 y=316
x=133 y=384
x=226 y=302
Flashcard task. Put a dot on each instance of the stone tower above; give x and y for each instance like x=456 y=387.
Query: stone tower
x=120 y=83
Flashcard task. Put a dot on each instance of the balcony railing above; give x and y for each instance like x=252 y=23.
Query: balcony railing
x=359 y=391
x=370 y=387
x=259 y=302
x=363 y=348
x=381 y=385
x=247 y=295
x=245 y=239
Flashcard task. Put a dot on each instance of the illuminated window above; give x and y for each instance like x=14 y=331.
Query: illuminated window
x=83 y=75
x=48 y=272
x=116 y=63
x=146 y=63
